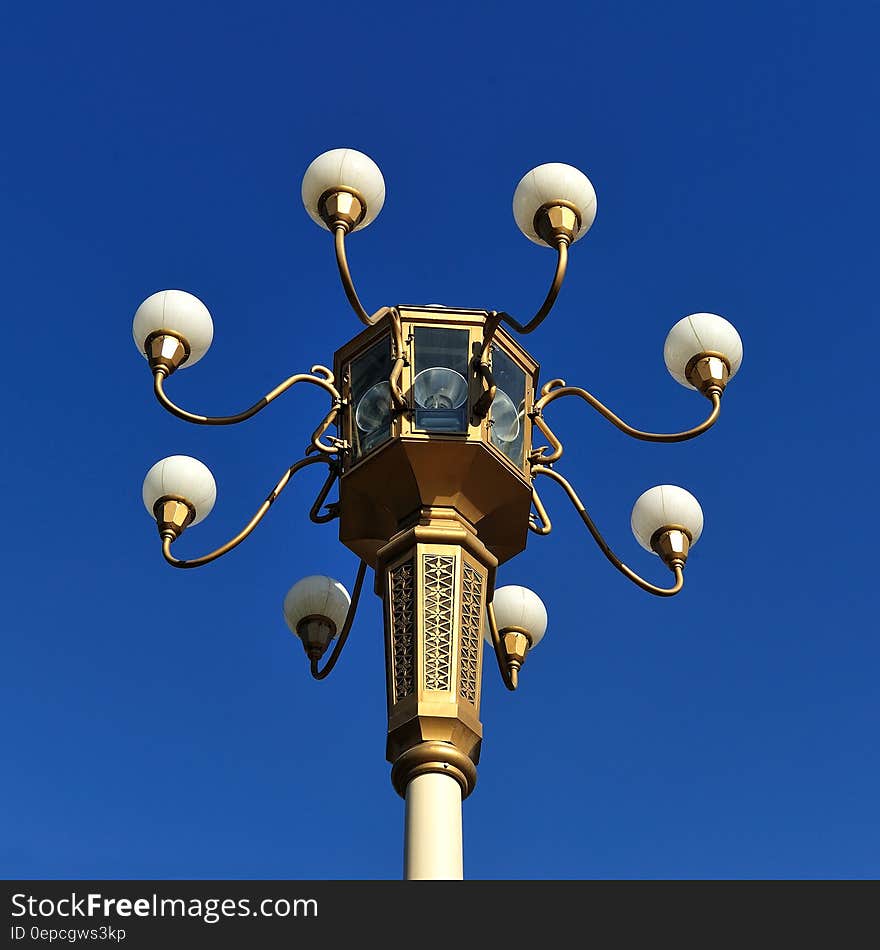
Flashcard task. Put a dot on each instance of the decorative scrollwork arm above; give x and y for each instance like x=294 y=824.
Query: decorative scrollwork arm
x=603 y=545
x=320 y=376
x=541 y=454
x=558 y=277
x=399 y=354
x=320 y=674
x=487 y=397
x=339 y=232
x=508 y=675
x=332 y=512
x=556 y=388
x=167 y=539
x=541 y=524
x=334 y=445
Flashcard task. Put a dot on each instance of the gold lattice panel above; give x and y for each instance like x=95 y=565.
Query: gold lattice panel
x=438 y=572
x=403 y=603
x=471 y=632
x=435 y=594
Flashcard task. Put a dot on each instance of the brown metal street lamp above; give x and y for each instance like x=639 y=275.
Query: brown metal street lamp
x=434 y=412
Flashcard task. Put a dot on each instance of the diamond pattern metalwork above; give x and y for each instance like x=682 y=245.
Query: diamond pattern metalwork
x=403 y=630
x=471 y=631
x=439 y=588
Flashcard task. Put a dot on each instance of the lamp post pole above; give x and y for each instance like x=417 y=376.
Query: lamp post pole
x=432 y=848
x=434 y=411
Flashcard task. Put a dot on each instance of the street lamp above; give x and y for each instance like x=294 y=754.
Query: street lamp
x=429 y=437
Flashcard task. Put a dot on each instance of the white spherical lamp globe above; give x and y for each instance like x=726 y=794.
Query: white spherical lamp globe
x=519 y=607
x=664 y=506
x=553 y=182
x=180 y=313
x=182 y=477
x=317 y=596
x=343 y=168
x=701 y=333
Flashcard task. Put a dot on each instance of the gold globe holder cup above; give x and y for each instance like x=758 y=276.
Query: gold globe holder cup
x=166 y=351
x=672 y=543
x=173 y=516
x=708 y=372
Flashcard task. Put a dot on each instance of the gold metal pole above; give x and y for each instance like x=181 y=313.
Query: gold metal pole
x=603 y=545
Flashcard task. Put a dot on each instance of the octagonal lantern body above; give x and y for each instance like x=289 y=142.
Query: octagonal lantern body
x=431 y=449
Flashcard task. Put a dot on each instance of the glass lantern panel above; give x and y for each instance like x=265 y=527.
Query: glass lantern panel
x=371 y=398
x=507 y=415
x=440 y=380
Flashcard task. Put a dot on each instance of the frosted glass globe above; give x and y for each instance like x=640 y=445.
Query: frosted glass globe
x=553 y=182
x=316 y=596
x=700 y=333
x=181 y=477
x=665 y=505
x=343 y=168
x=519 y=607
x=180 y=312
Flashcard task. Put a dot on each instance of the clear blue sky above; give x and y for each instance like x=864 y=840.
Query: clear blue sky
x=162 y=723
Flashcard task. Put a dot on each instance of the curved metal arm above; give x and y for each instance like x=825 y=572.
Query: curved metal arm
x=556 y=388
x=552 y=294
x=167 y=540
x=603 y=545
x=335 y=445
x=333 y=508
x=399 y=353
x=538 y=455
x=397 y=397
x=542 y=524
x=324 y=380
x=345 y=275
x=346 y=628
x=507 y=675
x=487 y=397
